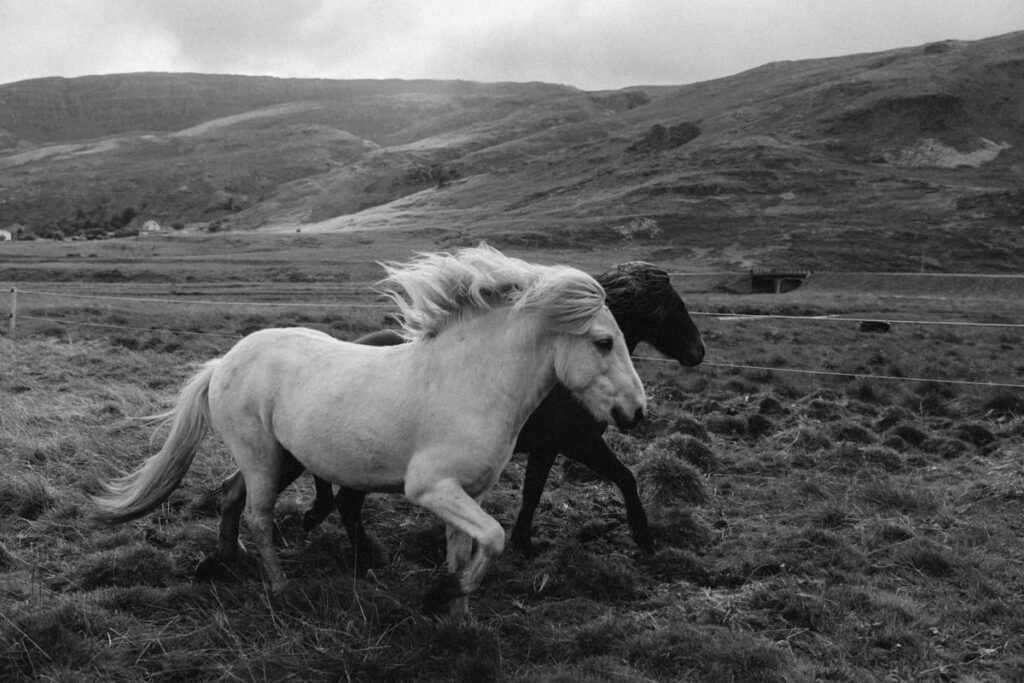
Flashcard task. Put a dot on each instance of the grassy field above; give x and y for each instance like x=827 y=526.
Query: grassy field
x=810 y=527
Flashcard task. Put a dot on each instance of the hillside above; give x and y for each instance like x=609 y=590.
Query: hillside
x=900 y=160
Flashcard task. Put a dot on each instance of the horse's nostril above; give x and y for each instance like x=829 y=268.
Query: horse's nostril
x=625 y=421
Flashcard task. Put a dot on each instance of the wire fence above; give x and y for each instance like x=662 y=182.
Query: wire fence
x=15 y=316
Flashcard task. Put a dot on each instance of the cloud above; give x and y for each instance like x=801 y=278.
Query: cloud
x=588 y=43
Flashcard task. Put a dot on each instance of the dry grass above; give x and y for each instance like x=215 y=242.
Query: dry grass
x=862 y=531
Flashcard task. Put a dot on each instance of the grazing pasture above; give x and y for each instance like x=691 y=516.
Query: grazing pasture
x=808 y=526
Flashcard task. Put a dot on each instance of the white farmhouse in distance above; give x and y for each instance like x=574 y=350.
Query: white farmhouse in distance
x=150 y=227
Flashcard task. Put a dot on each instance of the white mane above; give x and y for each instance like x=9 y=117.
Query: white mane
x=436 y=289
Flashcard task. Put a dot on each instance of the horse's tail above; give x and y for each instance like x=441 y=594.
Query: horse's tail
x=139 y=492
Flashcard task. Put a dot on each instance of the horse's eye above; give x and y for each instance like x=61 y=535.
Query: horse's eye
x=605 y=344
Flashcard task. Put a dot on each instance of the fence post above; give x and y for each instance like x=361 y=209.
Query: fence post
x=14 y=309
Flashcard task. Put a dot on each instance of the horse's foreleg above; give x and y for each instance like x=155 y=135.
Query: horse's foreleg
x=464 y=516
x=460 y=548
x=322 y=505
x=538 y=466
x=595 y=454
x=350 y=506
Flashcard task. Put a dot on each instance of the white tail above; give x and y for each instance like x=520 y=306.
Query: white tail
x=139 y=492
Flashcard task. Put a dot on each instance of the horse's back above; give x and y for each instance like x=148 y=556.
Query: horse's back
x=316 y=396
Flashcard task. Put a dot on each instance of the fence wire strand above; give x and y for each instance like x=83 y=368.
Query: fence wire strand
x=724 y=316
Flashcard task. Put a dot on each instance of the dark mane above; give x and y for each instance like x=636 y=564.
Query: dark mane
x=638 y=289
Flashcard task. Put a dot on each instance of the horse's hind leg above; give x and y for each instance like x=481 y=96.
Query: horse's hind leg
x=232 y=501
x=322 y=506
x=266 y=468
x=259 y=513
x=232 y=504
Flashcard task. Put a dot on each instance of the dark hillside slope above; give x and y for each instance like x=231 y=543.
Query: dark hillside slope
x=900 y=160
x=66 y=109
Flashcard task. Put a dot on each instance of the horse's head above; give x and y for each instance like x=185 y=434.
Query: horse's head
x=674 y=333
x=649 y=309
x=596 y=368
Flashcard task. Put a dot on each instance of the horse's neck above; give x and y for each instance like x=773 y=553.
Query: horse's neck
x=506 y=365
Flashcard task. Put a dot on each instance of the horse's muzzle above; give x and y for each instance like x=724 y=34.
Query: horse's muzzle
x=624 y=421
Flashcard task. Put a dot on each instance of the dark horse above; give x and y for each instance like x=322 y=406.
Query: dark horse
x=648 y=309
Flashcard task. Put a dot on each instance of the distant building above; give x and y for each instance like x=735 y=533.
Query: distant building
x=17 y=231
x=5 y=236
x=150 y=227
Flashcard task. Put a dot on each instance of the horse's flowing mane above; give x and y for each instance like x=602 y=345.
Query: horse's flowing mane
x=638 y=288
x=434 y=290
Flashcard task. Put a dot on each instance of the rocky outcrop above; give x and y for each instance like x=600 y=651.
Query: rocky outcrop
x=660 y=139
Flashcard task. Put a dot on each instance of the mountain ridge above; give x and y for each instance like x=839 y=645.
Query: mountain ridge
x=864 y=161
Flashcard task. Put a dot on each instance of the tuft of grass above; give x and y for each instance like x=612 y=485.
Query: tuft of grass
x=796 y=608
x=851 y=431
x=664 y=479
x=726 y=425
x=685 y=424
x=1005 y=403
x=896 y=443
x=823 y=410
x=36 y=642
x=675 y=564
x=974 y=433
x=893 y=415
x=680 y=528
x=769 y=405
x=602 y=635
x=832 y=516
x=865 y=390
x=892 y=495
x=910 y=433
x=688 y=448
x=926 y=557
x=713 y=654
x=810 y=438
x=578 y=572
x=850 y=457
x=758 y=425
x=947 y=449
x=133 y=565
x=627 y=447
x=24 y=495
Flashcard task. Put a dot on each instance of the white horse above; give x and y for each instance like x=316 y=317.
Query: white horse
x=436 y=418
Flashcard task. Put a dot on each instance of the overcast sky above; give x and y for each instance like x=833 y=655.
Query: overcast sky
x=591 y=44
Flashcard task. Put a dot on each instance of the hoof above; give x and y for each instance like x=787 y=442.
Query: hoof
x=436 y=600
x=219 y=566
x=646 y=544
x=213 y=567
x=522 y=544
x=366 y=558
